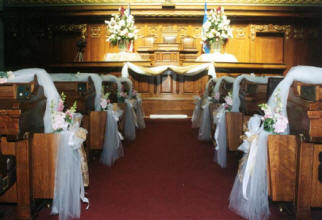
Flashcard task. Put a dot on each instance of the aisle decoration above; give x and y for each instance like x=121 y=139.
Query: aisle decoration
x=121 y=28
x=182 y=70
x=112 y=146
x=216 y=28
x=249 y=195
x=200 y=102
x=71 y=169
x=273 y=120
x=220 y=154
x=82 y=77
x=50 y=91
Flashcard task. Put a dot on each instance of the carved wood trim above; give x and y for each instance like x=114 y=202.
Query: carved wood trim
x=70 y=28
x=269 y=28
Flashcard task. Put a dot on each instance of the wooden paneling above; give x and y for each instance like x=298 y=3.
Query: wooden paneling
x=97 y=125
x=316 y=199
x=20 y=192
x=234 y=129
x=269 y=49
x=282 y=163
x=44 y=151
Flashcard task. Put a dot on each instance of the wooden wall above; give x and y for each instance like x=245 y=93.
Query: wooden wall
x=267 y=40
x=273 y=35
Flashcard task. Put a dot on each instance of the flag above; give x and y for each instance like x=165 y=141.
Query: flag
x=130 y=48
x=128 y=8
x=204 y=44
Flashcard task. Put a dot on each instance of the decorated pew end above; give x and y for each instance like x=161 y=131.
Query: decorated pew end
x=295 y=161
x=84 y=94
x=251 y=94
x=22 y=107
x=224 y=89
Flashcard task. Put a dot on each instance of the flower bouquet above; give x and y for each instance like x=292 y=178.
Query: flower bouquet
x=273 y=120
x=228 y=102
x=62 y=120
x=216 y=29
x=121 y=28
x=105 y=102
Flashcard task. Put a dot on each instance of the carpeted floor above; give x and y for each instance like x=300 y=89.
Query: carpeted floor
x=166 y=174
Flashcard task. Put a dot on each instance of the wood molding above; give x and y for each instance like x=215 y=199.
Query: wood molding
x=167 y=2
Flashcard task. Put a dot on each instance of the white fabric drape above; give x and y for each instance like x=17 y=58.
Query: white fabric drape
x=205 y=126
x=112 y=148
x=204 y=130
x=249 y=195
x=129 y=122
x=186 y=70
x=139 y=112
x=82 y=77
x=69 y=187
x=50 y=91
x=220 y=154
x=236 y=87
x=196 y=115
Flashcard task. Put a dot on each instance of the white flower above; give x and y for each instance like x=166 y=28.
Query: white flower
x=58 y=121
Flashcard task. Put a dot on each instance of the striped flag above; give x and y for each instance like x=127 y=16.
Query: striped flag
x=130 y=49
x=204 y=44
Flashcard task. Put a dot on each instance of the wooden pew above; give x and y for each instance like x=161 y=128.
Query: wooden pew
x=22 y=107
x=98 y=119
x=84 y=94
x=295 y=161
x=251 y=94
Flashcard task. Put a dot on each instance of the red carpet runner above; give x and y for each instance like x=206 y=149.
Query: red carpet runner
x=166 y=174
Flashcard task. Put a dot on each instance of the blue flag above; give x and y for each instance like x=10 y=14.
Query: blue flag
x=204 y=44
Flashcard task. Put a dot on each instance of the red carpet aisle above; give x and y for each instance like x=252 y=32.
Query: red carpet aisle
x=166 y=174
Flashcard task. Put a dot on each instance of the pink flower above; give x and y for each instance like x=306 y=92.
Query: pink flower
x=280 y=124
x=58 y=121
x=217 y=96
x=268 y=113
x=61 y=106
x=103 y=103
x=228 y=100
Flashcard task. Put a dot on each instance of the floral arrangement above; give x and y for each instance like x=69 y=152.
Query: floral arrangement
x=228 y=101
x=62 y=120
x=122 y=96
x=105 y=101
x=273 y=120
x=216 y=28
x=4 y=76
x=121 y=27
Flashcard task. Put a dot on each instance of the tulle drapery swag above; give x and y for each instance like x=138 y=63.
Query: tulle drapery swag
x=249 y=195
